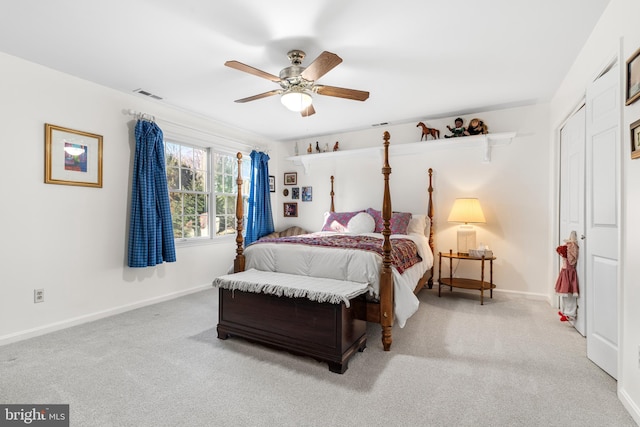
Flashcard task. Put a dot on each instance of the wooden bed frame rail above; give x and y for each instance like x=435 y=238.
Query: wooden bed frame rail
x=378 y=312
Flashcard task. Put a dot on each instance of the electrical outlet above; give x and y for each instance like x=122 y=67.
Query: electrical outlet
x=38 y=295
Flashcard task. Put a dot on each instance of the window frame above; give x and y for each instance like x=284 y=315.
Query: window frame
x=211 y=152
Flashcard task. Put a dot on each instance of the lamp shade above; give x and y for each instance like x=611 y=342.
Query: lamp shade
x=466 y=211
x=296 y=100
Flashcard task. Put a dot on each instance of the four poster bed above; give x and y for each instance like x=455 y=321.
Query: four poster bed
x=313 y=294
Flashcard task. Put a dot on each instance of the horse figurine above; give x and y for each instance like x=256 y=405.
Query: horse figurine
x=426 y=131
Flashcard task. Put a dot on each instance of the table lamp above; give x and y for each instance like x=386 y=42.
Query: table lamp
x=466 y=210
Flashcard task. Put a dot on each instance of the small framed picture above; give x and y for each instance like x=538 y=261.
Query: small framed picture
x=72 y=157
x=307 y=194
x=295 y=193
x=290 y=178
x=272 y=184
x=633 y=78
x=635 y=139
x=290 y=209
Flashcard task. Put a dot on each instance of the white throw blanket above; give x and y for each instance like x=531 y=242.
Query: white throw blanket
x=293 y=286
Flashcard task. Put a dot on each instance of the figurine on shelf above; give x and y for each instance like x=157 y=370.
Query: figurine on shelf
x=309 y=150
x=326 y=147
x=458 y=130
x=336 y=146
x=476 y=127
x=426 y=131
x=295 y=149
x=317 y=147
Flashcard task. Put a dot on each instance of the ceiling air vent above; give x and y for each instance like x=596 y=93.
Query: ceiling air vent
x=380 y=124
x=149 y=94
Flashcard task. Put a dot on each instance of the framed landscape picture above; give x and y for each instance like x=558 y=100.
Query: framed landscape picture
x=635 y=139
x=290 y=178
x=72 y=157
x=633 y=78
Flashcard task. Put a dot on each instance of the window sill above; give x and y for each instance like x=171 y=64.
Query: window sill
x=220 y=240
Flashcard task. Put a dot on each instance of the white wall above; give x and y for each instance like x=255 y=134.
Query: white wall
x=618 y=24
x=71 y=240
x=512 y=188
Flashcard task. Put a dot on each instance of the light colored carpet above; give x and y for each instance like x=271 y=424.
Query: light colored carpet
x=510 y=362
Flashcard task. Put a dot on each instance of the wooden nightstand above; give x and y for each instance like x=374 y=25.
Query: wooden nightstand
x=457 y=282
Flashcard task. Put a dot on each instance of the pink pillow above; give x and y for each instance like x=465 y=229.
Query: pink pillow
x=398 y=224
x=377 y=217
x=338 y=221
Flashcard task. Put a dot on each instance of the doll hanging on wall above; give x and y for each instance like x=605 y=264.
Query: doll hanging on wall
x=567 y=283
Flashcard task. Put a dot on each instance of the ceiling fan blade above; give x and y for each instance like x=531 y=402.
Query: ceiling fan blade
x=356 y=95
x=320 y=66
x=251 y=70
x=259 y=96
x=309 y=111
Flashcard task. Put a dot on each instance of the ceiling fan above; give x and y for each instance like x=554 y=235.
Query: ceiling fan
x=298 y=83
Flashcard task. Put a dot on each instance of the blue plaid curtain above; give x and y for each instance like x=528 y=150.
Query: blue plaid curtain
x=259 y=218
x=150 y=230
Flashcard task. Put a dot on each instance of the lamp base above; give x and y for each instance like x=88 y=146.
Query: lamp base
x=466 y=239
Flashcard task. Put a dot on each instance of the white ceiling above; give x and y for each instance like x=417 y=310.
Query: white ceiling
x=419 y=59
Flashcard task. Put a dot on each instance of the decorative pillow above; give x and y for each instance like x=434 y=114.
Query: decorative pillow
x=417 y=225
x=361 y=223
x=377 y=217
x=338 y=221
x=291 y=231
x=398 y=224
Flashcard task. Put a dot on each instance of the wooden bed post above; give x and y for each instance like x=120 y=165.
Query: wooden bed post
x=430 y=214
x=386 y=277
x=238 y=263
x=333 y=209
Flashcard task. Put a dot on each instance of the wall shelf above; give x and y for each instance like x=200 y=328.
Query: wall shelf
x=486 y=142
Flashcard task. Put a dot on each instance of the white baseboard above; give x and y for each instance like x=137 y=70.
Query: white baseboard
x=42 y=330
x=629 y=405
x=528 y=295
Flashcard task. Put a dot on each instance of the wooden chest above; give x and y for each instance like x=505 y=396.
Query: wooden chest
x=327 y=332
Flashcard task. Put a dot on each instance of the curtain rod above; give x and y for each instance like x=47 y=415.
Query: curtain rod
x=145 y=116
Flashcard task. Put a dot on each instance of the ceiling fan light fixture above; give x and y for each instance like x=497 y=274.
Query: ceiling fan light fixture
x=296 y=100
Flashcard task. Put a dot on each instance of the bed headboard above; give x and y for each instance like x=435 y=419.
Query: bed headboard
x=430 y=209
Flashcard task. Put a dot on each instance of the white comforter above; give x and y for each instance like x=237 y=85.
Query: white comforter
x=345 y=264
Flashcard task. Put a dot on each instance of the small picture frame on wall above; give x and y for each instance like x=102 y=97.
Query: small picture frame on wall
x=635 y=140
x=272 y=184
x=307 y=194
x=291 y=209
x=72 y=157
x=633 y=78
x=295 y=193
x=290 y=178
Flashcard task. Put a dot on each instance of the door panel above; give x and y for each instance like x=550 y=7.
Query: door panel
x=603 y=201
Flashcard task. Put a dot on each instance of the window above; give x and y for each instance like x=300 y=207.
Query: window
x=191 y=193
x=225 y=174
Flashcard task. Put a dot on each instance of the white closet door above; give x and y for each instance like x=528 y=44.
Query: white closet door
x=602 y=219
